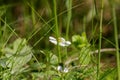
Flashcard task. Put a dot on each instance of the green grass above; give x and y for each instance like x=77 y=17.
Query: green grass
x=57 y=30
x=116 y=39
x=27 y=54
x=100 y=40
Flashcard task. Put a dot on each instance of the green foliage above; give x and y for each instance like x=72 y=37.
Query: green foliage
x=36 y=21
x=82 y=44
x=53 y=59
x=109 y=74
x=80 y=41
x=85 y=56
x=18 y=54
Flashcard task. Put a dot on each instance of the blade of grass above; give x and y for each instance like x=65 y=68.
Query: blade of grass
x=100 y=40
x=116 y=38
x=9 y=27
x=43 y=36
x=47 y=23
x=69 y=14
x=110 y=42
x=33 y=13
x=95 y=5
x=57 y=29
x=107 y=73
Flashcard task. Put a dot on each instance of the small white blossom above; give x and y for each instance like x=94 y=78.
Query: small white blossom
x=65 y=70
x=59 y=68
x=61 y=41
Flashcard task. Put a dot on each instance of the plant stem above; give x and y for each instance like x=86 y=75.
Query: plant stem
x=69 y=14
x=33 y=13
x=104 y=50
x=57 y=30
x=116 y=39
x=100 y=40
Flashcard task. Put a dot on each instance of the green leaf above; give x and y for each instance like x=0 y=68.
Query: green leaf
x=3 y=62
x=18 y=55
x=80 y=41
x=53 y=59
x=84 y=56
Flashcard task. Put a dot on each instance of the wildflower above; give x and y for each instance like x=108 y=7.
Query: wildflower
x=62 y=69
x=65 y=70
x=61 y=41
x=59 y=68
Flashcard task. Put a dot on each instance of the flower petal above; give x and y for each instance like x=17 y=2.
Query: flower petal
x=61 y=41
x=67 y=43
x=65 y=70
x=59 y=68
x=62 y=44
x=53 y=40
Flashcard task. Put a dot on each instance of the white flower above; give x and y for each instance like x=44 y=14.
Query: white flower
x=59 y=68
x=61 y=41
x=65 y=70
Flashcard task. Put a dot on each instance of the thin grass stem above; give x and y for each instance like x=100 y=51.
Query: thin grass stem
x=116 y=39
x=9 y=27
x=100 y=40
x=57 y=30
x=33 y=13
x=69 y=14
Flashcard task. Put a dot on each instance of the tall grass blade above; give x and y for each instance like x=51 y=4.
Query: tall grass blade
x=57 y=29
x=116 y=38
x=100 y=40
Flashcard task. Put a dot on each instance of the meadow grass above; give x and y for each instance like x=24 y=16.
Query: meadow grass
x=73 y=55
x=100 y=40
x=116 y=39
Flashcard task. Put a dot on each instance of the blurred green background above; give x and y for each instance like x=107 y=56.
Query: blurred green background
x=26 y=16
